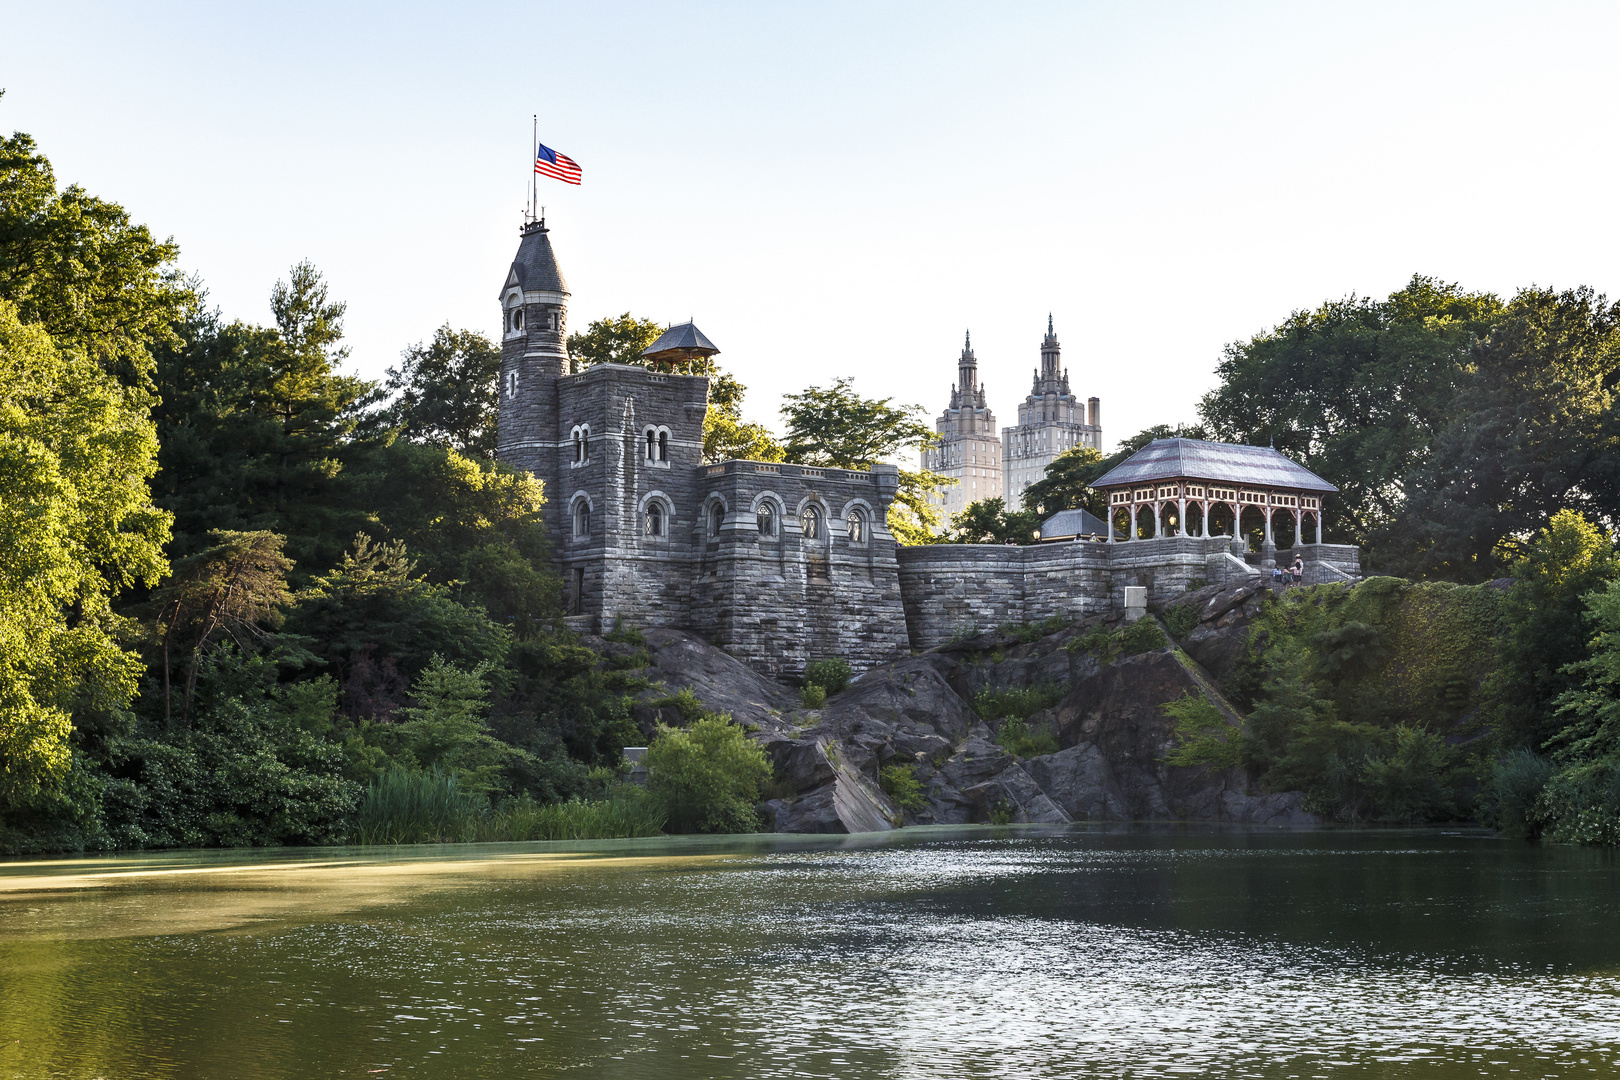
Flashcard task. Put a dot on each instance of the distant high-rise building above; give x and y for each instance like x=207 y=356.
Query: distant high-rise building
x=1050 y=421
x=968 y=450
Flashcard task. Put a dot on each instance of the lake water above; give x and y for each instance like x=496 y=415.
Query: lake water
x=951 y=952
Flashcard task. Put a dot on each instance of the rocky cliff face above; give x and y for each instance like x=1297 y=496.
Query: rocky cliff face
x=1111 y=732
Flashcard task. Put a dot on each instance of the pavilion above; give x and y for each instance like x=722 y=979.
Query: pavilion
x=1170 y=477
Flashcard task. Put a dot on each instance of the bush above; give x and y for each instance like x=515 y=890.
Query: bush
x=708 y=777
x=900 y=784
x=1141 y=636
x=684 y=701
x=1020 y=740
x=1203 y=734
x=814 y=696
x=993 y=704
x=405 y=807
x=831 y=675
x=624 y=633
x=1181 y=620
x=1516 y=781
x=1581 y=804
x=1099 y=642
x=1032 y=632
x=1416 y=781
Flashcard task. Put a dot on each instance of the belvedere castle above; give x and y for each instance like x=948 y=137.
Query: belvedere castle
x=781 y=564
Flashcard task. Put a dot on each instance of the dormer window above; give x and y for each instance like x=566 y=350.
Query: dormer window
x=517 y=319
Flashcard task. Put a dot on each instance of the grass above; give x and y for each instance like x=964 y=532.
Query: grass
x=1027 y=633
x=993 y=704
x=402 y=807
x=1020 y=740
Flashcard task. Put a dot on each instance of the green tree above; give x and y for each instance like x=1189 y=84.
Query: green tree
x=708 y=777
x=447 y=392
x=75 y=265
x=258 y=425
x=234 y=590
x=836 y=427
x=1067 y=484
x=1546 y=625
x=447 y=730
x=77 y=525
x=988 y=521
x=1354 y=391
x=617 y=339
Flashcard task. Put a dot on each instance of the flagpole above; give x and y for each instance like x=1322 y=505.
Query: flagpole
x=534 y=152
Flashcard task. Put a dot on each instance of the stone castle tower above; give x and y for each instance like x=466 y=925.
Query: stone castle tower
x=779 y=564
x=968 y=450
x=1050 y=421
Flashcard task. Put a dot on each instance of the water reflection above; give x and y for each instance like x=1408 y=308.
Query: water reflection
x=983 y=952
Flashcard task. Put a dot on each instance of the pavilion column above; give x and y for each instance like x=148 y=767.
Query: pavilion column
x=1299 y=527
x=1181 y=518
x=1237 y=518
x=1319 y=539
x=1158 y=522
x=1269 y=540
x=1203 y=526
x=1110 y=524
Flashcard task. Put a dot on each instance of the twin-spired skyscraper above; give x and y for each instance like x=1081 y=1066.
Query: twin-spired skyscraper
x=1050 y=420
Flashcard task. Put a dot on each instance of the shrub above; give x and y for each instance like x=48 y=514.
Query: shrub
x=707 y=777
x=814 y=696
x=1203 y=734
x=963 y=631
x=1031 y=632
x=1020 y=740
x=1414 y=782
x=1099 y=642
x=900 y=784
x=1141 y=636
x=1581 y=804
x=831 y=675
x=1001 y=813
x=624 y=633
x=1516 y=781
x=1181 y=620
x=684 y=701
x=993 y=704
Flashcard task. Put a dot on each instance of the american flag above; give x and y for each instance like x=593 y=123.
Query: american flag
x=557 y=166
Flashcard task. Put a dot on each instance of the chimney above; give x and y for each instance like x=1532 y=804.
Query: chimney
x=1094 y=412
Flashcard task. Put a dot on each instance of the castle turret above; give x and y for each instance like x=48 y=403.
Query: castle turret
x=534 y=356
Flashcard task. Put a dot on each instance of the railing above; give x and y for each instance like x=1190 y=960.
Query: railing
x=855 y=476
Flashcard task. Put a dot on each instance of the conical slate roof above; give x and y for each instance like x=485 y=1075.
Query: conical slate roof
x=535 y=269
x=683 y=342
x=1195 y=459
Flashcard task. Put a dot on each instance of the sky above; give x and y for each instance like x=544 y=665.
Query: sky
x=841 y=190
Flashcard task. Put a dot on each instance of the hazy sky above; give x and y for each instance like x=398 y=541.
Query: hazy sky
x=842 y=189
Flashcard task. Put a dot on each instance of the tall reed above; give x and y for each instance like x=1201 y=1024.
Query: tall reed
x=403 y=807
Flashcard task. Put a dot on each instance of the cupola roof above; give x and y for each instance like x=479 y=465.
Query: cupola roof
x=679 y=344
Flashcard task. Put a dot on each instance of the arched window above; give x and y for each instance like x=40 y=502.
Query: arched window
x=810 y=523
x=651 y=443
x=767 y=520
x=517 y=319
x=857 y=527
x=663 y=446
x=582 y=518
x=655 y=519
x=579 y=446
x=717 y=518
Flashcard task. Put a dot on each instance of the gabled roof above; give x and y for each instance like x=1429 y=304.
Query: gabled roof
x=683 y=342
x=535 y=269
x=1167 y=459
x=1070 y=523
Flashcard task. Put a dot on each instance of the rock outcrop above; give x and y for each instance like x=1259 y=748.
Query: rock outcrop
x=1109 y=725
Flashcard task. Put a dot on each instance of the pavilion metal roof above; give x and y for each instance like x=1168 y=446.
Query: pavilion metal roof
x=685 y=339
x=1195 y=459
x=1069 y=523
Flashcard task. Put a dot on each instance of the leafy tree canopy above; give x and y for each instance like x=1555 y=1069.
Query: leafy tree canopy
x=446 y=392
x=79 y=268
x=1067 y=484
x=77 y=524
x=988 y=521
